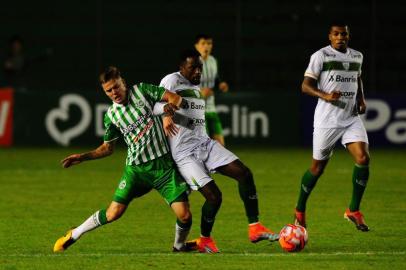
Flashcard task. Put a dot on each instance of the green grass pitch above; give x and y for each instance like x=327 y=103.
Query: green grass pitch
x=40 y=201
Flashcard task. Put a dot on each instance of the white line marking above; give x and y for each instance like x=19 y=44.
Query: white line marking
x=168 y=254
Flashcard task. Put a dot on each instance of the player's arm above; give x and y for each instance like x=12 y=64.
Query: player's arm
x=309 y=87
x=104 y=150
x=360 y=97
x=170 y=103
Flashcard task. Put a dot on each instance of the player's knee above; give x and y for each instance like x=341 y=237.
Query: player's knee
x=246 y=176
x=362 y=159
x=185 y=216
x=317 y=170
x=215 y=198
x=114 y=213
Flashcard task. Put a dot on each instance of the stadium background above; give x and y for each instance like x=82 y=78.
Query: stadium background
x=263 y=48
x=54 y=109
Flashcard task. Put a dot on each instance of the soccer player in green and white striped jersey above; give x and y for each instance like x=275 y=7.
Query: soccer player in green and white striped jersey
x=149 y=164
x=334 y=77
x=209 y=81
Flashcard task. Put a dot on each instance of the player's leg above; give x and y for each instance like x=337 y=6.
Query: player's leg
x=225 y=162
x=356 y=142
x=216 y=129
x=127 y=189
x=197 y=177
x=213 y=127
x=324 y=141
x=183 y=222
x=99 y=218
x=248 y=194
x=308 y=182
x=172 y=187
x=213 y=197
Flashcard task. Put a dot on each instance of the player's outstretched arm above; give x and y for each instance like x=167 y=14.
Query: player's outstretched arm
x=104 y=150
x=309 y=87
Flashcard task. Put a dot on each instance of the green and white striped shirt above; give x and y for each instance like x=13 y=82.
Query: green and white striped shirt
x=142 y=131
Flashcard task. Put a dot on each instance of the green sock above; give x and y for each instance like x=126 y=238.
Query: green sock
x=306 y=187
x=360 y=177
x=209 y=212
x=248 y=195
x=102 y=217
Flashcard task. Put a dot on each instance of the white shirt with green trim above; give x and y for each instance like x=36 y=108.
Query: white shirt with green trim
x=339 y=71
x=189 y=120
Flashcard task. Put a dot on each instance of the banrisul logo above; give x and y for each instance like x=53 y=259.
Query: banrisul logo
x=343 y=79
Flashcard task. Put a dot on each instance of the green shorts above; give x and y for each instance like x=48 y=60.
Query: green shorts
x=160 y=174
x=213 y=124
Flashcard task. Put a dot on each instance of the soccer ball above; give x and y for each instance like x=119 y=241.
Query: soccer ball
x=293 y=238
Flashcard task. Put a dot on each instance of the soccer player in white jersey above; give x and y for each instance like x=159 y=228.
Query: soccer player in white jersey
x=196 y=155
x=210 y=81
x=149 y=164
x=334 y=77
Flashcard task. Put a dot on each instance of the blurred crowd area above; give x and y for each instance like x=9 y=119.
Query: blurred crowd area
x=260 y=45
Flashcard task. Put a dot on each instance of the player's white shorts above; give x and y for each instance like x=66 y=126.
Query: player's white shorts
x=202 y=161
x=324 y=139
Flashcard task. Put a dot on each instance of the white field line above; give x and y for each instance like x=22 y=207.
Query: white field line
x=166 y=254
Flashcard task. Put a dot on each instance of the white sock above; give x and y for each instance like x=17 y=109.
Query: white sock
x=180 y=236
x=90 y=224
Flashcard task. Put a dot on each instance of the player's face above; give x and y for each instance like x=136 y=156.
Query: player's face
x=116 y=90
x=192 y=70
x=339 y=37
x=204 y=47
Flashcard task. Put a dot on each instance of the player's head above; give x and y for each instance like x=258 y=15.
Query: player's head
x=190 y=66
x=204 y=45
x=339 y=35
x=114 y=85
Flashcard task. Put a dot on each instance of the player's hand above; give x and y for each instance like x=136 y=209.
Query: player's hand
x=71 y=160
x=223 y=86
x=206 y=92
x=169 y=126
x=333 y=96
x=169 y=109
x=362 y=107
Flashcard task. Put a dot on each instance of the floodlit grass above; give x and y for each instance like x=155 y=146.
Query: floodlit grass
x=40 y=201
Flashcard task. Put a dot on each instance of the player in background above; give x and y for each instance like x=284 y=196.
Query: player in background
x=334 y=77
x=209 y=81
x=148 y=164
x=196 y=155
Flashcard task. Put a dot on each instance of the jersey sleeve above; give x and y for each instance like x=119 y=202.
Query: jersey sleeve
x=112 y=132
x=152 y=92
x=169 y=83
x=315 y=66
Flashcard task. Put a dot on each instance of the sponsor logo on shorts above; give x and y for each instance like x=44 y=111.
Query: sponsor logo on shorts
x=122 y=184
